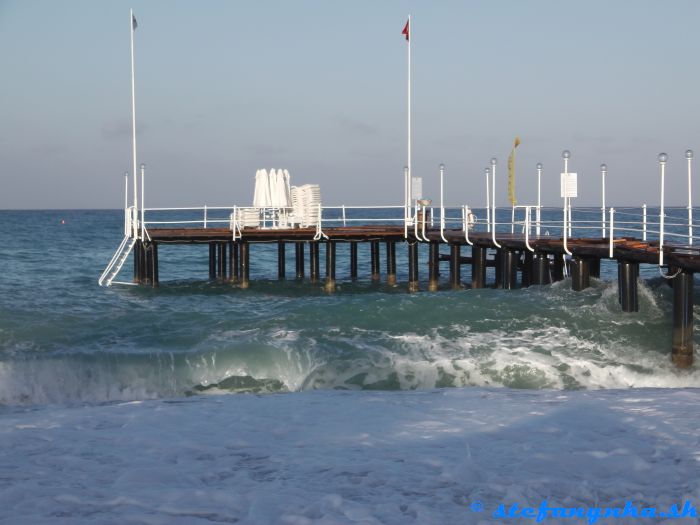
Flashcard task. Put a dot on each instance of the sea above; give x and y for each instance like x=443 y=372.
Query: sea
x=97 y=382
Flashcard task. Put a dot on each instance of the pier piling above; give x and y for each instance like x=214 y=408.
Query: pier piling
x=627 y=274
x=557 y=268
x=353 y=261
x=682 y=345
x=412 y=266
x=509 y=269
x=374 y=257
x=455 y=266
x=580 y=274
x=433 y=266
x=540 y=269
x=528 y=259
x=299 y=259
x=390 y=263
x=330 y=267
x=281 y=260
x=245 y=264
x=233 y=266
x=212 y=261
x=313 y=262
x=478 y=266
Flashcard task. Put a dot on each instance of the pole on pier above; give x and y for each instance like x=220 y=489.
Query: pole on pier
x=281 y=260
x=528 y=259
x=330 y=267
x=540 y=269
x=374 y=257
x=580 y=273
x=233 y=262
x=478 y=266
x=299 y=259
x=433 y=266
x=390 y=263
x=353 y=260
x=245 y=264
x=509 y=269
x=627 y=274
x=212 y=260
x=682 y=345
x=313 y=261
x=413 y=266
x=455 y=266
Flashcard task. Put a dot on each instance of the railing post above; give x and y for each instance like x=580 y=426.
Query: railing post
x=612 y=226
x=205 y=215
x=644 y=215
x=493 y=202
x=126 y=204
x=344 y=215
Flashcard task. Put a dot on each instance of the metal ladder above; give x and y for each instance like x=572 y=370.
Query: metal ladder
x=115 y=265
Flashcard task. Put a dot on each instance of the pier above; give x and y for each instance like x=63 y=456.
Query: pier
x=523 y=249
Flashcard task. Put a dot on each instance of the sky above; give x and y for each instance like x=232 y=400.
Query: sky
x=227 y=87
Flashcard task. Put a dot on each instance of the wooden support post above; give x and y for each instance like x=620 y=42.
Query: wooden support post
x=594 y=269
x=413 y=266
x=281 y=260
x=374 y=255
x=478 y=266
x=155 y=277
x=682 y=346
x=540 y=269
x=433 y=266
x=299 y=253
x=528 y=265
x=390 y=263
x=137 y=261
x=627 y=275
x=455 y=266
x=353 y=260
x=558 y=268
x=212 y=261
x=245 y=264
x=330 y=267
x=580 y=274
x=509 y=269
x=313 y=261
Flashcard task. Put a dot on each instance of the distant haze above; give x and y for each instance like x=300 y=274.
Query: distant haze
x=319 y=88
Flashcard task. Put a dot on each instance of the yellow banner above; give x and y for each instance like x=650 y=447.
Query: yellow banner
x=511 y=173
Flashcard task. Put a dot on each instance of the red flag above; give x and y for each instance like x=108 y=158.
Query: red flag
x=405 y=30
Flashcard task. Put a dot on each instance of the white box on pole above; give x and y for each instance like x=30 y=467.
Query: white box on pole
x=569 y=185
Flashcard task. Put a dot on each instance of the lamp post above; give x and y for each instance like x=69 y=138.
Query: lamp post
x=487 y=172
x=565 y=155
x=539 y=195
x=689 y=158
x=662 y=166
x=603 y=171
x=493 y=202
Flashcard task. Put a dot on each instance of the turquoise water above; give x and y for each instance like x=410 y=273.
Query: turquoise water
x=63 y=339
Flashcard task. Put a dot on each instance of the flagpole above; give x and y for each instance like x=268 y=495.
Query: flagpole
x=133 y=118
x=410 y=173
